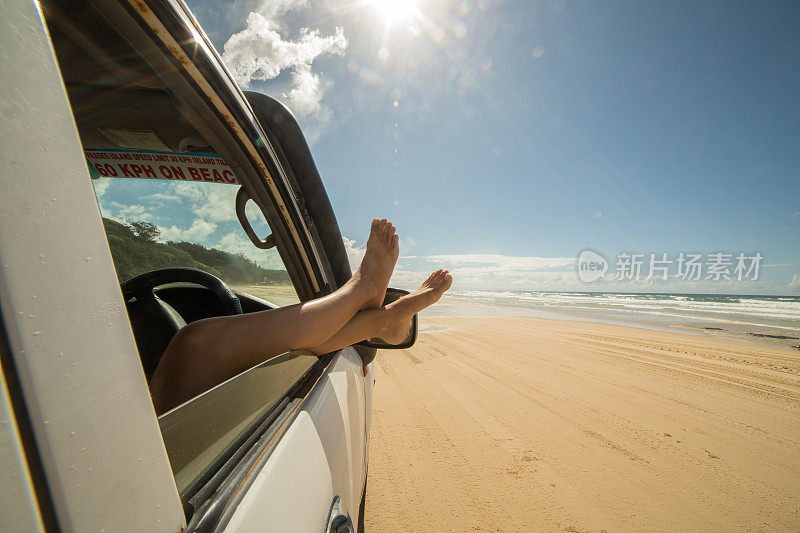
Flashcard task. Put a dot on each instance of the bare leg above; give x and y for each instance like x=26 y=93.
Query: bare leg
x=391 y=323
x=208 y=352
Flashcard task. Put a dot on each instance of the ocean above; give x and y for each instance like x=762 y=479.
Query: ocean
x=771 y=319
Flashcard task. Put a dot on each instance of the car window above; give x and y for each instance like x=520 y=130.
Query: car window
x=152 y=224
x=157 y=223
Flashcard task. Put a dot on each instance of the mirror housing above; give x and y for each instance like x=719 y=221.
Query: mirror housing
x=376 y=342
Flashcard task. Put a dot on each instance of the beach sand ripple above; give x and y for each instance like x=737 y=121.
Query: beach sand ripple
x=526 y=424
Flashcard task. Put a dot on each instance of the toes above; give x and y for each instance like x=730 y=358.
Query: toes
x=384 y=230
x=433 y=278
x=447 y=281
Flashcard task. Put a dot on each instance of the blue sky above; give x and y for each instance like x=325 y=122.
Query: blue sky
x=526 y=132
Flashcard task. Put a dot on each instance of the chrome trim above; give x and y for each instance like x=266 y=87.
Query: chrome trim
x=339 y=517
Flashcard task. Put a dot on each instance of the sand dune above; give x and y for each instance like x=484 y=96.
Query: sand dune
x=524 y=424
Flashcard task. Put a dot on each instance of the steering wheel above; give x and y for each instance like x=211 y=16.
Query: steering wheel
x=154 y=321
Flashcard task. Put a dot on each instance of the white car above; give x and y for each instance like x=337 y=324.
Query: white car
x=119 y=123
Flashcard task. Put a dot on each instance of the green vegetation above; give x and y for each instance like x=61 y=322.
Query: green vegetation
x=136 y=250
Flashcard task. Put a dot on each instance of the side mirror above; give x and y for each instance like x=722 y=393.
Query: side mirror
x=376 y=342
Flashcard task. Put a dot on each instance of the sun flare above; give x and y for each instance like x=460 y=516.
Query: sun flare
x=395 y=10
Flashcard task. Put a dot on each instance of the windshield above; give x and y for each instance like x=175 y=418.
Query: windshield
x=152 y=224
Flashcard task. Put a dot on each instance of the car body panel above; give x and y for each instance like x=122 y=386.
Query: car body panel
x=297 y=467
x=19 y=510
x=74 y=354
x=317 y=458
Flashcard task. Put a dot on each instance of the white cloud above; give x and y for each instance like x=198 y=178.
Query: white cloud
x=272 y=9
x=210 y=205
x=235 y=243
x=598 y=214
x=259 y=52
x=101 y=186
x=213 y=202
x=480 y=279
x=406 y=244
x=216 y=203
x=252 y=212
x=355 y=252
x=138 y=212
x=497 y=263
x=198 y=231
x=118 y=211
x=489 y=271
x=528 y=273
x=306 y=92
x=160 y=198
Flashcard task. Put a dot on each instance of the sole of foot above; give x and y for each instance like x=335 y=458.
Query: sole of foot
x=378 y=263
x=401 y=311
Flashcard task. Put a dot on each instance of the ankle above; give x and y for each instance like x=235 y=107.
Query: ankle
x=362 y=288
x=385 y=317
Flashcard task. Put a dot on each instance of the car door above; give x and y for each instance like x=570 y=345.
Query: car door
x=95 y=435
x=315 y=472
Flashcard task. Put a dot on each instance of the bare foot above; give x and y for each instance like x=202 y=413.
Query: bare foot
x=401 y=311
x=378 y=263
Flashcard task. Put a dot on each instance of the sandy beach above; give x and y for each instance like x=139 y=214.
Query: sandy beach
x=279 y=295
x=525 y=424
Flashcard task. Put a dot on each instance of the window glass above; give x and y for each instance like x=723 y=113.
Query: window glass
x=200 y=434
x=155 y=223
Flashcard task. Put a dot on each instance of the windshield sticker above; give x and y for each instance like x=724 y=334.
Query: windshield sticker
x=159 y=166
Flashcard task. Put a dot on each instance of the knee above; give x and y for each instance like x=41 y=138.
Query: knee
x=190 y=340
x=182 y=371
x=191 y=350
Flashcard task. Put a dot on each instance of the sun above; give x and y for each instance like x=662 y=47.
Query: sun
x=395 y=10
